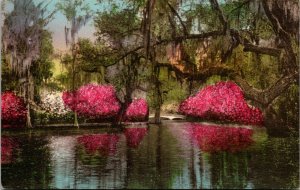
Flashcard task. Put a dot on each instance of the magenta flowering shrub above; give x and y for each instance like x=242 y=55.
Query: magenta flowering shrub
x=7 y=146
x=212 y=138
x=137 y=110
x=13 y=109
x=105 y=144
x=223 y=101
x=95 y=101
x=134 y=136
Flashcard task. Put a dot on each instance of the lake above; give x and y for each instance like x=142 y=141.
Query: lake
x=172 y=155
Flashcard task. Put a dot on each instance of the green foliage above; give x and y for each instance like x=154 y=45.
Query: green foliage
x=125 y=23
x=287 y=107
x=173 y=90
x=9 y=80
x=42 y=118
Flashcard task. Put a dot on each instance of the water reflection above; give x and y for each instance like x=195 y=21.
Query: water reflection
x=212 y=138
x=135 y=135
x=103 y=143
x=8 y=146
x=167 y=156
x=30 y=165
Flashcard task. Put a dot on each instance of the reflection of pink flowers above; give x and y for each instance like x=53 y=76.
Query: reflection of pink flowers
x=216 y=138
x=96 y=101
x=104 y=143
x=13 y=109
x=134 y=136
x=223 y=101
x=7 y=147
x=137 y=111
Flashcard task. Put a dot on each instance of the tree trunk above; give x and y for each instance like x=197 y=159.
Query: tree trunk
x=29 y=96
x=73 y=80
x=157 y=95
x=157 y=115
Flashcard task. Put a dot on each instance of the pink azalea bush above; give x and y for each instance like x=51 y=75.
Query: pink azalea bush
x=105 y=144
x=13 y=109
x=212 y=138
x=134 y=136
x=223 y=101
x=137 y=110
x=95 y=101
x=7 y=147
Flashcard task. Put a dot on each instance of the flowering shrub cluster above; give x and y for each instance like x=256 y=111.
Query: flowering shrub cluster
x=95 y=101
x=223 y=101
x=7 y=147
x=137 y=111
x=216 y=138
x=13 y=109
x=105 y=144
x=134 y=136
x=52 y=102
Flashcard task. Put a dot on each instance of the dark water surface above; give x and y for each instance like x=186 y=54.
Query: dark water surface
x=174 y=155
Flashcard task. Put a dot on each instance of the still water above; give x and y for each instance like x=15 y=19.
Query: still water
x=173 y=155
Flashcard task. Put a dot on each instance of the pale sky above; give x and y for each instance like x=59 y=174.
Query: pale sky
x=57 y=25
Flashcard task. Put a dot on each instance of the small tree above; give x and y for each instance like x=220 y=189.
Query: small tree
x=77 y=14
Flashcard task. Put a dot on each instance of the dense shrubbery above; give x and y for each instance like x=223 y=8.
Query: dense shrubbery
x=52 y=102
x=93 y=101
x=13 y=109
x=134 y=136
x=105 y=144
x=223 y=101
x=137 y=111
x=54 y=109
x=216 y=138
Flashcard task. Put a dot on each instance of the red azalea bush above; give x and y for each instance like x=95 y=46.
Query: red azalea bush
x=104 y=143
x=95 y=101
x=13 y=109
x=223 y=101
x=215 y=138
x=7 y=147
x=137 y=111
x=134 y=136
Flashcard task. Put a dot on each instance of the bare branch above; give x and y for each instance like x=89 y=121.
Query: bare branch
x=262 y=50
x=286 y=39
x=180 y=20
x=215 y=6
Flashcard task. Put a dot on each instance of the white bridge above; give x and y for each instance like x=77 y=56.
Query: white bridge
x=169 y=117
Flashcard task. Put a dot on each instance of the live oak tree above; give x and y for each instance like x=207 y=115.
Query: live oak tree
x=23 y=32
x=222 y=35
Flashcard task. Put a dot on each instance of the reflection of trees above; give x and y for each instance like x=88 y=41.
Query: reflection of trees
x=212 y=138
x=8 y=145
x=275 y=164
x=103 y=143
x=155 y=163
x=210 y=170
x=134 y=136
x=78 y=167
x=229 y=170
x=167 y=157
x=31 y=167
